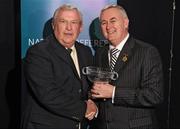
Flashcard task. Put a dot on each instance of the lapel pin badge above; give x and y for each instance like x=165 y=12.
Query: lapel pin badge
x=125 y=57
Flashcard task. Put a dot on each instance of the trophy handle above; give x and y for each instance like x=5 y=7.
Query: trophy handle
x=114 y=76
x=84 y=70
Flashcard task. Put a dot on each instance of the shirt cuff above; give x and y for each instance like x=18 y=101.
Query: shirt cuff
x=113 y=94
x=96 y=113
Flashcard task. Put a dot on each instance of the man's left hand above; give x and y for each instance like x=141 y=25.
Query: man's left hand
x=102 y=90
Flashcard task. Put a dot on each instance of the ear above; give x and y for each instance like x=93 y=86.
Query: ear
x=52 y=24
x=126 y=22
x=81 y=27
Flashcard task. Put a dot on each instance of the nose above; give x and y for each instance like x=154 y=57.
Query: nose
x=108 y=26
x=68 y=26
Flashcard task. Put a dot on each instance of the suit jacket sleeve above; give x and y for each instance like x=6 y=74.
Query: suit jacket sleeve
x=49 y=95
x=150 y=91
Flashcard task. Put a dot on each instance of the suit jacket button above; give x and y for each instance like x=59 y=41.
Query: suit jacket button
x=77 y=125
x=80 y=91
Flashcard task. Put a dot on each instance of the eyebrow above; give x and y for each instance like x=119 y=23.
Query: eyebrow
x=113 y=18
x=59 y=19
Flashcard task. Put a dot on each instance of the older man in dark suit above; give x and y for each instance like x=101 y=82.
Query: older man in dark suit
x=130 y=101
x=58 y=91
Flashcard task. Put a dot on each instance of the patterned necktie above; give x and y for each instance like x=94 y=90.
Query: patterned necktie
x=113 y=57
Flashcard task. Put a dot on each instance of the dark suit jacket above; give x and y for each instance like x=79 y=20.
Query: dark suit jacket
x=57 y=94
x=139 y=87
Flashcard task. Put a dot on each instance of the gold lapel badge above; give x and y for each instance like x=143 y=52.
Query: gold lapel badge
x=125 y=58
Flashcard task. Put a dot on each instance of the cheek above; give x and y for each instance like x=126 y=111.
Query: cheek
x=105 y=33
x=77 y=30
x=57 y=31
x=103 y=29
x=60 y=27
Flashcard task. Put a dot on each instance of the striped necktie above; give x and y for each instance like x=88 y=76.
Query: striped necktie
x=113 y=57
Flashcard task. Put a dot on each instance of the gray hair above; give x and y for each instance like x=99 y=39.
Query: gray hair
x=67 y=7
x=122 y=10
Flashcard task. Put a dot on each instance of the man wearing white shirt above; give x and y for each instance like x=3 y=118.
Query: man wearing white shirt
x=58 y=91
x=129 y=101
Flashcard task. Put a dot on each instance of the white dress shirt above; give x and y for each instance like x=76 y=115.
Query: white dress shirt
x=119 y=47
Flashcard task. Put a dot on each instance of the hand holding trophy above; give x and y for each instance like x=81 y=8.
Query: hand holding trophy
x=100 y=77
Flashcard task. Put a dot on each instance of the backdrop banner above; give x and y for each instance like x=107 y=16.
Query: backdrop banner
x=36 y=18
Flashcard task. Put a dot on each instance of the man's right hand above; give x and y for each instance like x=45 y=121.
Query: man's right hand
x=91 y=109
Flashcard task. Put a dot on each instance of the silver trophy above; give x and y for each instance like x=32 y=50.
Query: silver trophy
x=97 y=74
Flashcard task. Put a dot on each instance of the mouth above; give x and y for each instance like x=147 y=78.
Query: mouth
x=68 y=34
x=111 y=32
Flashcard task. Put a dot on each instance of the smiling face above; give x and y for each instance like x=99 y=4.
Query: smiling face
x=67 y=25
x=114 y=25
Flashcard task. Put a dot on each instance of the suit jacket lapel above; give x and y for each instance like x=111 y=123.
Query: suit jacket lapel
x=124 y=55
x=80 y=58
x=105 y=59
x=62 y=53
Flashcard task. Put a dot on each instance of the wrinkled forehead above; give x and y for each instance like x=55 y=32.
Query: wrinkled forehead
x=73 y=14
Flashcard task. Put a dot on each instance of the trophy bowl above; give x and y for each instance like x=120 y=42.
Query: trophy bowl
x=98 y=74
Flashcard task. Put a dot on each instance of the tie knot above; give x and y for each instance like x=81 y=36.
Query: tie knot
x=69 y=50
x=114 y=51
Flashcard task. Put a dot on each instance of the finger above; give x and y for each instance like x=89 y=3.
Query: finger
x=96 y=86
x=90 y=118
x=94 y=92
x=89 y=114
x=93 y=97
x=96 y=96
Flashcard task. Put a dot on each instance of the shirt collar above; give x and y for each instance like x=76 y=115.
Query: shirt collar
x=73 y=47
x=121 y=44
